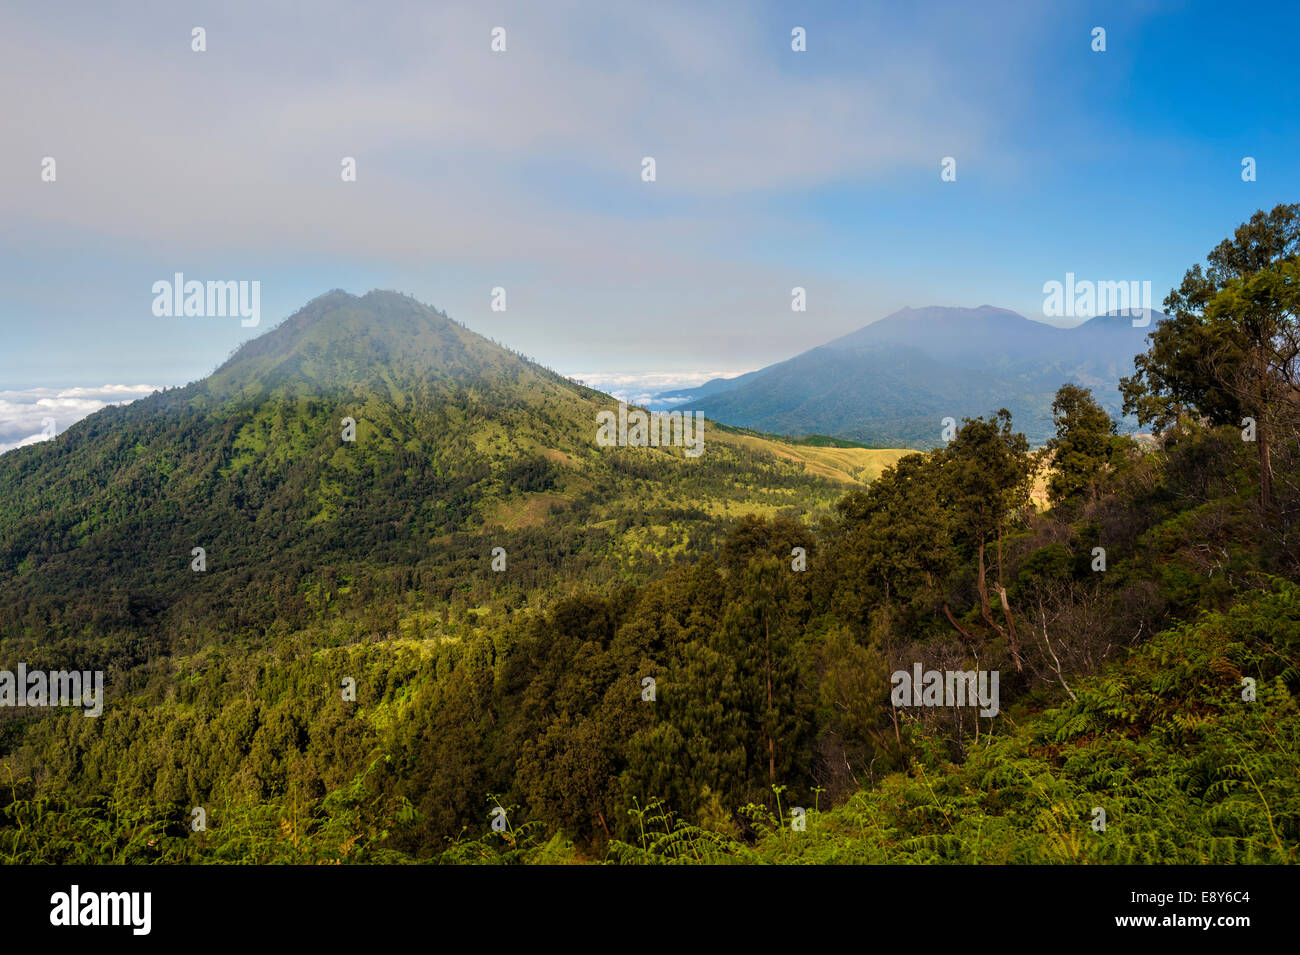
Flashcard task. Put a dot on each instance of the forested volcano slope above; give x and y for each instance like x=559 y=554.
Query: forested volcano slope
x=460 y=446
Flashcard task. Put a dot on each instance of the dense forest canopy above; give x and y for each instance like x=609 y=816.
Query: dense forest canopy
x=674 y=660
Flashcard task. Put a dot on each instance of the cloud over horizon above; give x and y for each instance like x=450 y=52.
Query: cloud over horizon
x=31 y=415
x=521 y=169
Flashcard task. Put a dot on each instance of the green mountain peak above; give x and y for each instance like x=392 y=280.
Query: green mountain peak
x=342 y=341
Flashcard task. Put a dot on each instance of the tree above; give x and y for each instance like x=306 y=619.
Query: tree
x=1082 y=446
x=894 y=549
x=1230 y=349
x=986 y=472
x=759 y=636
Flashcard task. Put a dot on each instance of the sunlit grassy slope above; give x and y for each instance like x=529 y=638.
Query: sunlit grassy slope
x=847 y=465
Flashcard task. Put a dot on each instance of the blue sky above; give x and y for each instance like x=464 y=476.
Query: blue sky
x=522 y=169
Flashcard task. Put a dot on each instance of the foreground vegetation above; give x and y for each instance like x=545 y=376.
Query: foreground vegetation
x=362 y=687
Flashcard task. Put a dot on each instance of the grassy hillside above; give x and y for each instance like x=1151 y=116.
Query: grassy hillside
x=850 y=465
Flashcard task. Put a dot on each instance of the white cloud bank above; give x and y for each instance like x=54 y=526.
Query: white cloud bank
x=642 y=388
x=33 y=414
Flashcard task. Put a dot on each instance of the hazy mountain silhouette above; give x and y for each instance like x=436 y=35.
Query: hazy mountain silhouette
x=892 y=382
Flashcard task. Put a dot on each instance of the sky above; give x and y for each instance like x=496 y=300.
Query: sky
x=523 y=169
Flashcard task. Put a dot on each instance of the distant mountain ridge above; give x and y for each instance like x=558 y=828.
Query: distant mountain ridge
x=892 y=382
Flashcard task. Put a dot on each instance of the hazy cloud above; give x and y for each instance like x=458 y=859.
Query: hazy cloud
x=460 y=151
x=24 y=413
x=640 y=388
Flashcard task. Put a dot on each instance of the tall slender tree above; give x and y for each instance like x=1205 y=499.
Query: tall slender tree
x=1082 y=445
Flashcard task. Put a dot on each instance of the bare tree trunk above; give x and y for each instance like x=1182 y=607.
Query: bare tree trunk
x=1056 y=661
x=1011 y=624
x=970 y=640
x=999 y=552
x=986 y=608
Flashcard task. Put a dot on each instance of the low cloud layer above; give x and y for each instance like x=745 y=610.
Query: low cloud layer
x=36 y=414
x=640 y=389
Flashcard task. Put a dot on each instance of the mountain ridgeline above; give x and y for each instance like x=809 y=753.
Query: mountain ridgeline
x=460 y=446
x=891 y=383
x=373 y=592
